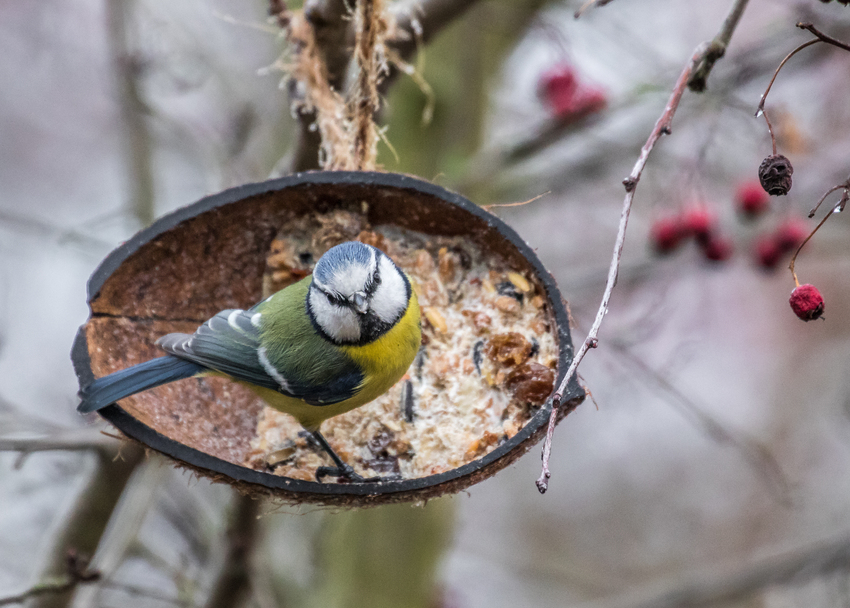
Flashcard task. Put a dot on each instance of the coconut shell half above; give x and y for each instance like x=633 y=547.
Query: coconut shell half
x=211 y=256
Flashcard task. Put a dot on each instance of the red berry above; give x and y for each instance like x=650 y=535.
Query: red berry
x=718 y=248
x=567 y=98
x=698 y=222
x=767 y=253
x=666 y=234
x=806 y=302
x=790 y=234
x=588 y=100
x=558 y=85
x=751 y=199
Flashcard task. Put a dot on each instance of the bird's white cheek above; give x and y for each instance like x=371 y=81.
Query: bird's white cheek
x=390 y=298
x=339 y=323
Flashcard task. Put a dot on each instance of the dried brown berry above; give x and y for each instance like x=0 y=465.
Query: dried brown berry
x=806 y=302
x=508 y=349
x=480 y=320
x=775 y=174
x=531 y=382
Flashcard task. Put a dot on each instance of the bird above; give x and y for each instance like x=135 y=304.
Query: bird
x=333 y=341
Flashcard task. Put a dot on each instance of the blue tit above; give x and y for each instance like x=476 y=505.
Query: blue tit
x=323 y=346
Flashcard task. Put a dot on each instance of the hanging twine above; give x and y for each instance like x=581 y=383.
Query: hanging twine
x=346 y=126
x=372 y=65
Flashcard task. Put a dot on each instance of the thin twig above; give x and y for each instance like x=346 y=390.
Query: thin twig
x=662 y=127
x=751 y=450
x=517 y=204
x=819 y=37
x=61 y=235
x=838 y=207
x=76 y=572
x=845 y=186
x=234 y=580
x=83 y=526
x=134 y=113
x=125 y=521
x=760 y=108
x=418 y=21
x=731 y=584
x=584 y=7
x=716 y=48
x=77 y=440
x=823 y=37
x=769 y=130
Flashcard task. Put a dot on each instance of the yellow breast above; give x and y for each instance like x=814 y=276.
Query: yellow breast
x=386 y=359
x=383 y=362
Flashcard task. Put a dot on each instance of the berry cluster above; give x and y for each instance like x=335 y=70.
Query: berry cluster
x=669 y=232
x=697 y=222
x=771 y=248
x=567 y=98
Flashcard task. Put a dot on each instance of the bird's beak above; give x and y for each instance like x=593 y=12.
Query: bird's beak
x=360 y=302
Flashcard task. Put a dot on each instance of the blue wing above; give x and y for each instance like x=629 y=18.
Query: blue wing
x=230 y=343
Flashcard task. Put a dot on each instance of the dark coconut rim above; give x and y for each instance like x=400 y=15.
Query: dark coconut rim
x=263 y=483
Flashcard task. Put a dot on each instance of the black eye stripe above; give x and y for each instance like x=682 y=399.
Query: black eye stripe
x=335 y=299
x=374 y=280
x=369 y=289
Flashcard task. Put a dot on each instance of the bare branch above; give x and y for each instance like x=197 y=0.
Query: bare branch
x=134 y=111
x=716 y=48
x=845 y=196
x=74 y=440
x=662 y=127
x=823 y=37
x=234 y=579
x=776 y=73
x=124 y=522
x=84 y=525
x=331 y=21
x=725 y=585
x=62 y=235
x=752 y=451
x=819 y=37
x=589 y=4
x=76 y=572
x=421 y=20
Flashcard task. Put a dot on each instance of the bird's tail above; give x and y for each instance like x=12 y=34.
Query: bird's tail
x=109 y=389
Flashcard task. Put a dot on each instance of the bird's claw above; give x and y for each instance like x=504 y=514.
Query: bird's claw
x=347 y=474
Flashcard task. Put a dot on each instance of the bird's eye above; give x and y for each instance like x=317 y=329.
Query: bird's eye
x=373 y=283
x=335 y=299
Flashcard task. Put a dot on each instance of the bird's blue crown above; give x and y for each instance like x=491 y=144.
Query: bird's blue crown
x=339 y=258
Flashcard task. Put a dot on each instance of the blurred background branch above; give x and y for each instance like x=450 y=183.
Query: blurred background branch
x=160 y=104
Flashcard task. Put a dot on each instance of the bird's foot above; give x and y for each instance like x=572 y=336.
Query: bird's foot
x=346 y=474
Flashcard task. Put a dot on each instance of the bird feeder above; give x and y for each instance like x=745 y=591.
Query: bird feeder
x=229 y=250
